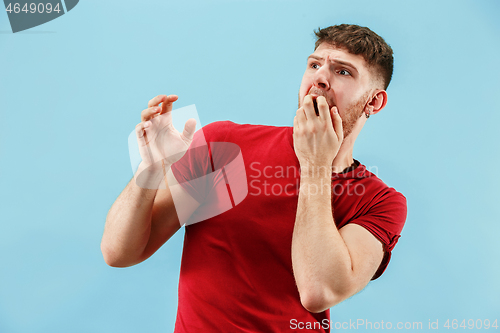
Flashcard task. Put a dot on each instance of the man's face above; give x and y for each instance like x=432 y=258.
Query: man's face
x=342 y=78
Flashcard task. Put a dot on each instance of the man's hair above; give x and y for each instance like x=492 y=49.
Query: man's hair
x=361 y=40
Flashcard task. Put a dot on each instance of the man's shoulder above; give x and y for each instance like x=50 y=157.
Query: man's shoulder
x=221 y=130
x=218 y=125
x=379 y=189
x=381 y=203
x=229 y=123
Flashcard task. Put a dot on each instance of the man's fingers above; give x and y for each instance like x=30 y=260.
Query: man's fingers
x=295 y=122
x=156 y=100
x=337 y=123
x=189 y=129
x=154 y=109
x=140 y=129
x=323 y=109
x=167 y=103
x=301 y=116
x=309 y=108
x=150 y=113
x=165 y=100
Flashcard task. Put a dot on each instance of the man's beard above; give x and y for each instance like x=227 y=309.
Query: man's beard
x=351 y=115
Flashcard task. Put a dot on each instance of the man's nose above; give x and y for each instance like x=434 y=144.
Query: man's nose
x=321 y=79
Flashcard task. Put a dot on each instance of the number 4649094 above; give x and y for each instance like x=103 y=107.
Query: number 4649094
x=33 y=8
x=471 y=324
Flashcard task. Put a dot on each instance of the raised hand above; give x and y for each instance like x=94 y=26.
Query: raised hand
x=160 y=144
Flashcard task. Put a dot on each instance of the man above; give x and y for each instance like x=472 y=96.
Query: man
x=299 y=242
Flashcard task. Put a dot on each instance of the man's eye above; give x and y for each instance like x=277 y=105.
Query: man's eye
x=315 y=66
x=344 y=72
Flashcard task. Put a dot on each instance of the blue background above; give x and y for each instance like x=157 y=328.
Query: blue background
x=72 y=90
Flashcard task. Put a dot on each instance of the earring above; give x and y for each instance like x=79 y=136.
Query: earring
x=367 y=115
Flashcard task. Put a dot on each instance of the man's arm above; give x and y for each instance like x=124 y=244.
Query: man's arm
x=142 y=220
x=144 y=217
x=329 y=265
x=139 y=223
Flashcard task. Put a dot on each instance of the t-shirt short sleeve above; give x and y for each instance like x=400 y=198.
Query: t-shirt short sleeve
x=191 y=170
x=385 y=220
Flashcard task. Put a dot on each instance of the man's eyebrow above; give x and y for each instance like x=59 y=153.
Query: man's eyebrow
x=341 y=62
x=314 y=57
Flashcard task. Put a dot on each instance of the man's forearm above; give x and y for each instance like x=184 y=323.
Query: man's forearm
x=128 y=225
x=321 y=262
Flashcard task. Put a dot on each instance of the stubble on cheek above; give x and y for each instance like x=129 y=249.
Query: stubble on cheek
x=352 y=114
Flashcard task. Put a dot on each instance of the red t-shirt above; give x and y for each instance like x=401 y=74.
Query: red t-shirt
x=236 y=271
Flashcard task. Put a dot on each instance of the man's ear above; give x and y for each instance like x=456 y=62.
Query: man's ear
x=377 y=103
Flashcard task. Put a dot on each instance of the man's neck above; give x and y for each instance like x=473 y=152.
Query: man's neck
x=344 y=159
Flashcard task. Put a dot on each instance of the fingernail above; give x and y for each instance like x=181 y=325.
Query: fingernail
x=334 y=109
